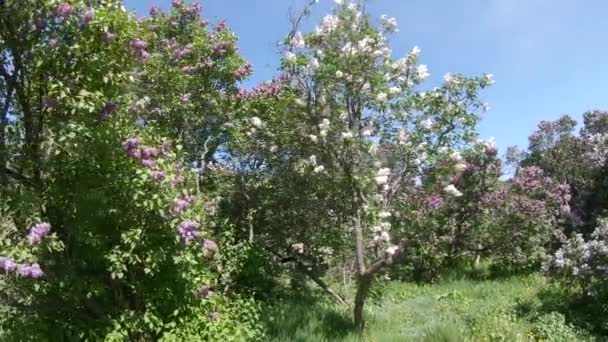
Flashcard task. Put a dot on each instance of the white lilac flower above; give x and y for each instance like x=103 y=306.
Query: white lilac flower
x=455 y=156
x=415 y=51
x=460 y=167
x=451 y=190
x=384 y=214
x=314 y=63
x=485 y=107
x=382 y=176
x=427 y=124
x=489 y=79
x=347 y=135
x=450 y=79
x=312 y=160
x=394 y=90
x=373 y=148
x=324 y=125
x=290 y=57
x=391 y=250
x=422 y=71
x=319 y=169
x=385 y=236
x=339 y=74
x=273 y=148
x=381 y=97
x=300 y=102
x=313 y=138
x=339 y=2
x=389 y=23
x=256 y=122
x=297 y=40
x=367 y=131
x=328 y=24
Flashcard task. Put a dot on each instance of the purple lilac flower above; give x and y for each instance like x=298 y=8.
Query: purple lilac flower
x=154 y=10
x=38 y=232
x=205 y=291
x=53 y=43
x=131 y=144
x=149 y=152
x=178 y=180
x=182 y=203
x=165 y=147
x=35 y=271
x=434 y=201
x=209 y=246
x=185 y=98
x=158 y=175
x=107 y=36
x=63 y=10
x=87 y=17
x=8 y=264
x=221 y=26
x=188 y=69
x=188 y=230
x=183 y=52
x=243 y=71
x=24 y=270
x=147 y=162
x=195 y=9
x=107 y=111
x=222 y=47
x=177 y=3
x=138 y=44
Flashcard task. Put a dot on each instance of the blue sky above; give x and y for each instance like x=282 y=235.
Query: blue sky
x=549 y=57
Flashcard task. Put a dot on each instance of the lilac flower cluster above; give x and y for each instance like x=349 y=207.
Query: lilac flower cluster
x=38 y=232
x=139 y=49
x=209 y=247
x=107 y=111
x=87 y=16
x=434 y=201
x=583 y=262
x=154 y=10
x=107 y=36
x=23 y=270
x=243 y=71
x=221 y=26
x=222 y=47
x=63 y=10
x=188 y=230
x=268 y=88
x=182 y=52
x=205 y=292
x=182 y=203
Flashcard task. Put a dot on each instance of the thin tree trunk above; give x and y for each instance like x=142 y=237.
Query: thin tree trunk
x=364 y=283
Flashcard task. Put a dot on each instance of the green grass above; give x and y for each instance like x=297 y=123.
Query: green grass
x=507 y=309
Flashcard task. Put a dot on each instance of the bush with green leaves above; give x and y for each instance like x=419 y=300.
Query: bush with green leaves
x=107 y=229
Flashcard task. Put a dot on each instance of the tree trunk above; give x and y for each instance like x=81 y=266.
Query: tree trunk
x=364 y=282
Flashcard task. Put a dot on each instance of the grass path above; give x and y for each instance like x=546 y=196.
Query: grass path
x=454 y=310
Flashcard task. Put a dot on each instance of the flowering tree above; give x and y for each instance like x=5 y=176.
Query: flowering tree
x=355 y=135
x=106 y=231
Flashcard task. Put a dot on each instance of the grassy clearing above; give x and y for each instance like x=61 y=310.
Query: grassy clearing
x=508 y=309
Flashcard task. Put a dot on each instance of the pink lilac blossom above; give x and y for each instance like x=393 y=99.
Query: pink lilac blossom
x=87 y=17
x=63 y=10
x=38 y=232
x=205 y=292
x=209 y=246
x=188 y=230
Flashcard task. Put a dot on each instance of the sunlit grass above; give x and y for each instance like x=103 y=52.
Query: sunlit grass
x=452 y=310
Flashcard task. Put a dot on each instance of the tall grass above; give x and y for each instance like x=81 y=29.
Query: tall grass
x=455 y=309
